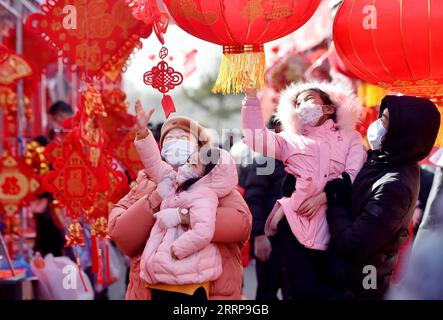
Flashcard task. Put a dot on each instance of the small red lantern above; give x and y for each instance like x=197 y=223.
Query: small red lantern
x=241 y=27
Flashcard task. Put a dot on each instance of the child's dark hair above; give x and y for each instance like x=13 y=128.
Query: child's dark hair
x=325 y=98
x=214 y=155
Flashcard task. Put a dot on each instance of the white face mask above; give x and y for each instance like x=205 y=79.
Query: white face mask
x=376 y=133
x=185 y=173
x=176 y=152
x=309 y=113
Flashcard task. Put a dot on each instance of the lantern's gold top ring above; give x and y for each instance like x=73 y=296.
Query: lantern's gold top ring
x=243 y=48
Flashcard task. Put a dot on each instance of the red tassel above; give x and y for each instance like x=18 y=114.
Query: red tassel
x=94 y=254
x=108 y=263
x=80 y=269
x=168 y=105
x=100 y=267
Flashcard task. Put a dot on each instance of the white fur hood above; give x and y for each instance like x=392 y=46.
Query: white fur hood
x=347 y=104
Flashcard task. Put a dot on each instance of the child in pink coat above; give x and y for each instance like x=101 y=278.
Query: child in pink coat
x=318 y=143
x=174 y=254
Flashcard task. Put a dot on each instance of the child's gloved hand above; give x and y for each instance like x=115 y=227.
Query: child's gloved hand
x=166 y=188
x=168 y=218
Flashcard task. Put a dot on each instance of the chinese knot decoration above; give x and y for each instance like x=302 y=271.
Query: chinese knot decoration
x=161 y=77
x=241 y=27
x=103 y=34
x=164 y=78
x=397 y=45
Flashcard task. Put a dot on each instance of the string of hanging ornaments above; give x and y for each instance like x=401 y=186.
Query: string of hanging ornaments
x=161 y=77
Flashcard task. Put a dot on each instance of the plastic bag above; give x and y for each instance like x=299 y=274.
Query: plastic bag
x=59 y=279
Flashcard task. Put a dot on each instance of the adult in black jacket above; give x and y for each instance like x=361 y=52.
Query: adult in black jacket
x=367 y=230
x=262 y=190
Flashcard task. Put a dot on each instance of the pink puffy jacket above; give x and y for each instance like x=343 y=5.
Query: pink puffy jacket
x=131 y=221
x=198 y=260
x=314 y=155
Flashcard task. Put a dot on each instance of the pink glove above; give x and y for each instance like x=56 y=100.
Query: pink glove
x=168 y=218
x=166 y=188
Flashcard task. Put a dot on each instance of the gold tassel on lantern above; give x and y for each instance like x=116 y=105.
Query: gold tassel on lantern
x=241 y=66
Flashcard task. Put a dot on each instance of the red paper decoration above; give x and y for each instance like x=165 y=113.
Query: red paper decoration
x=119 y=127
x=164 y=78
x=396 y=45
x=149 y=12
x=241 y=27
x=13 y=69
x=96 y=44
x=4 y=53
x=35 y=49
x=127 y=154
x=18 y=184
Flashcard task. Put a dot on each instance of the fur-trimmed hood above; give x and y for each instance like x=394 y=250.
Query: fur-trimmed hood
x=347 y=104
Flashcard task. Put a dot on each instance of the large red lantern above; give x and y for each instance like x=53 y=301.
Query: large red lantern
x=395 y=44
x=241 y=27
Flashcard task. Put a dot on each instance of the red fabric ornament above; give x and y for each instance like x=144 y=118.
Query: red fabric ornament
x=85 y=178
x=149 y=12
x=127 y=154
x=396 y=45
x=96 y=44
x=164 y=78
x=4 y=53
x=13 y=69
x=18 y=184
x=72 y=182
x=241 y=27
x=35 y=49
x=8 y=102
x=119 y=127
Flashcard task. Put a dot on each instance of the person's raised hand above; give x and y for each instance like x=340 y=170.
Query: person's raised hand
x=142 y=118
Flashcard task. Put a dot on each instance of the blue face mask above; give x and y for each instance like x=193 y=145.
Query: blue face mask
x=376 y=134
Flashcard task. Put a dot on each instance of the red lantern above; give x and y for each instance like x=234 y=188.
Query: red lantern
x=396 y=45
x=241 y=27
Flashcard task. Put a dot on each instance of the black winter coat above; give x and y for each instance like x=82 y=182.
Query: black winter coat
x=384 y=195
x=262 y=191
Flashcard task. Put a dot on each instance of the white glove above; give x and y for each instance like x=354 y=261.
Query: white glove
x=166 y=188
x=168 y=218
